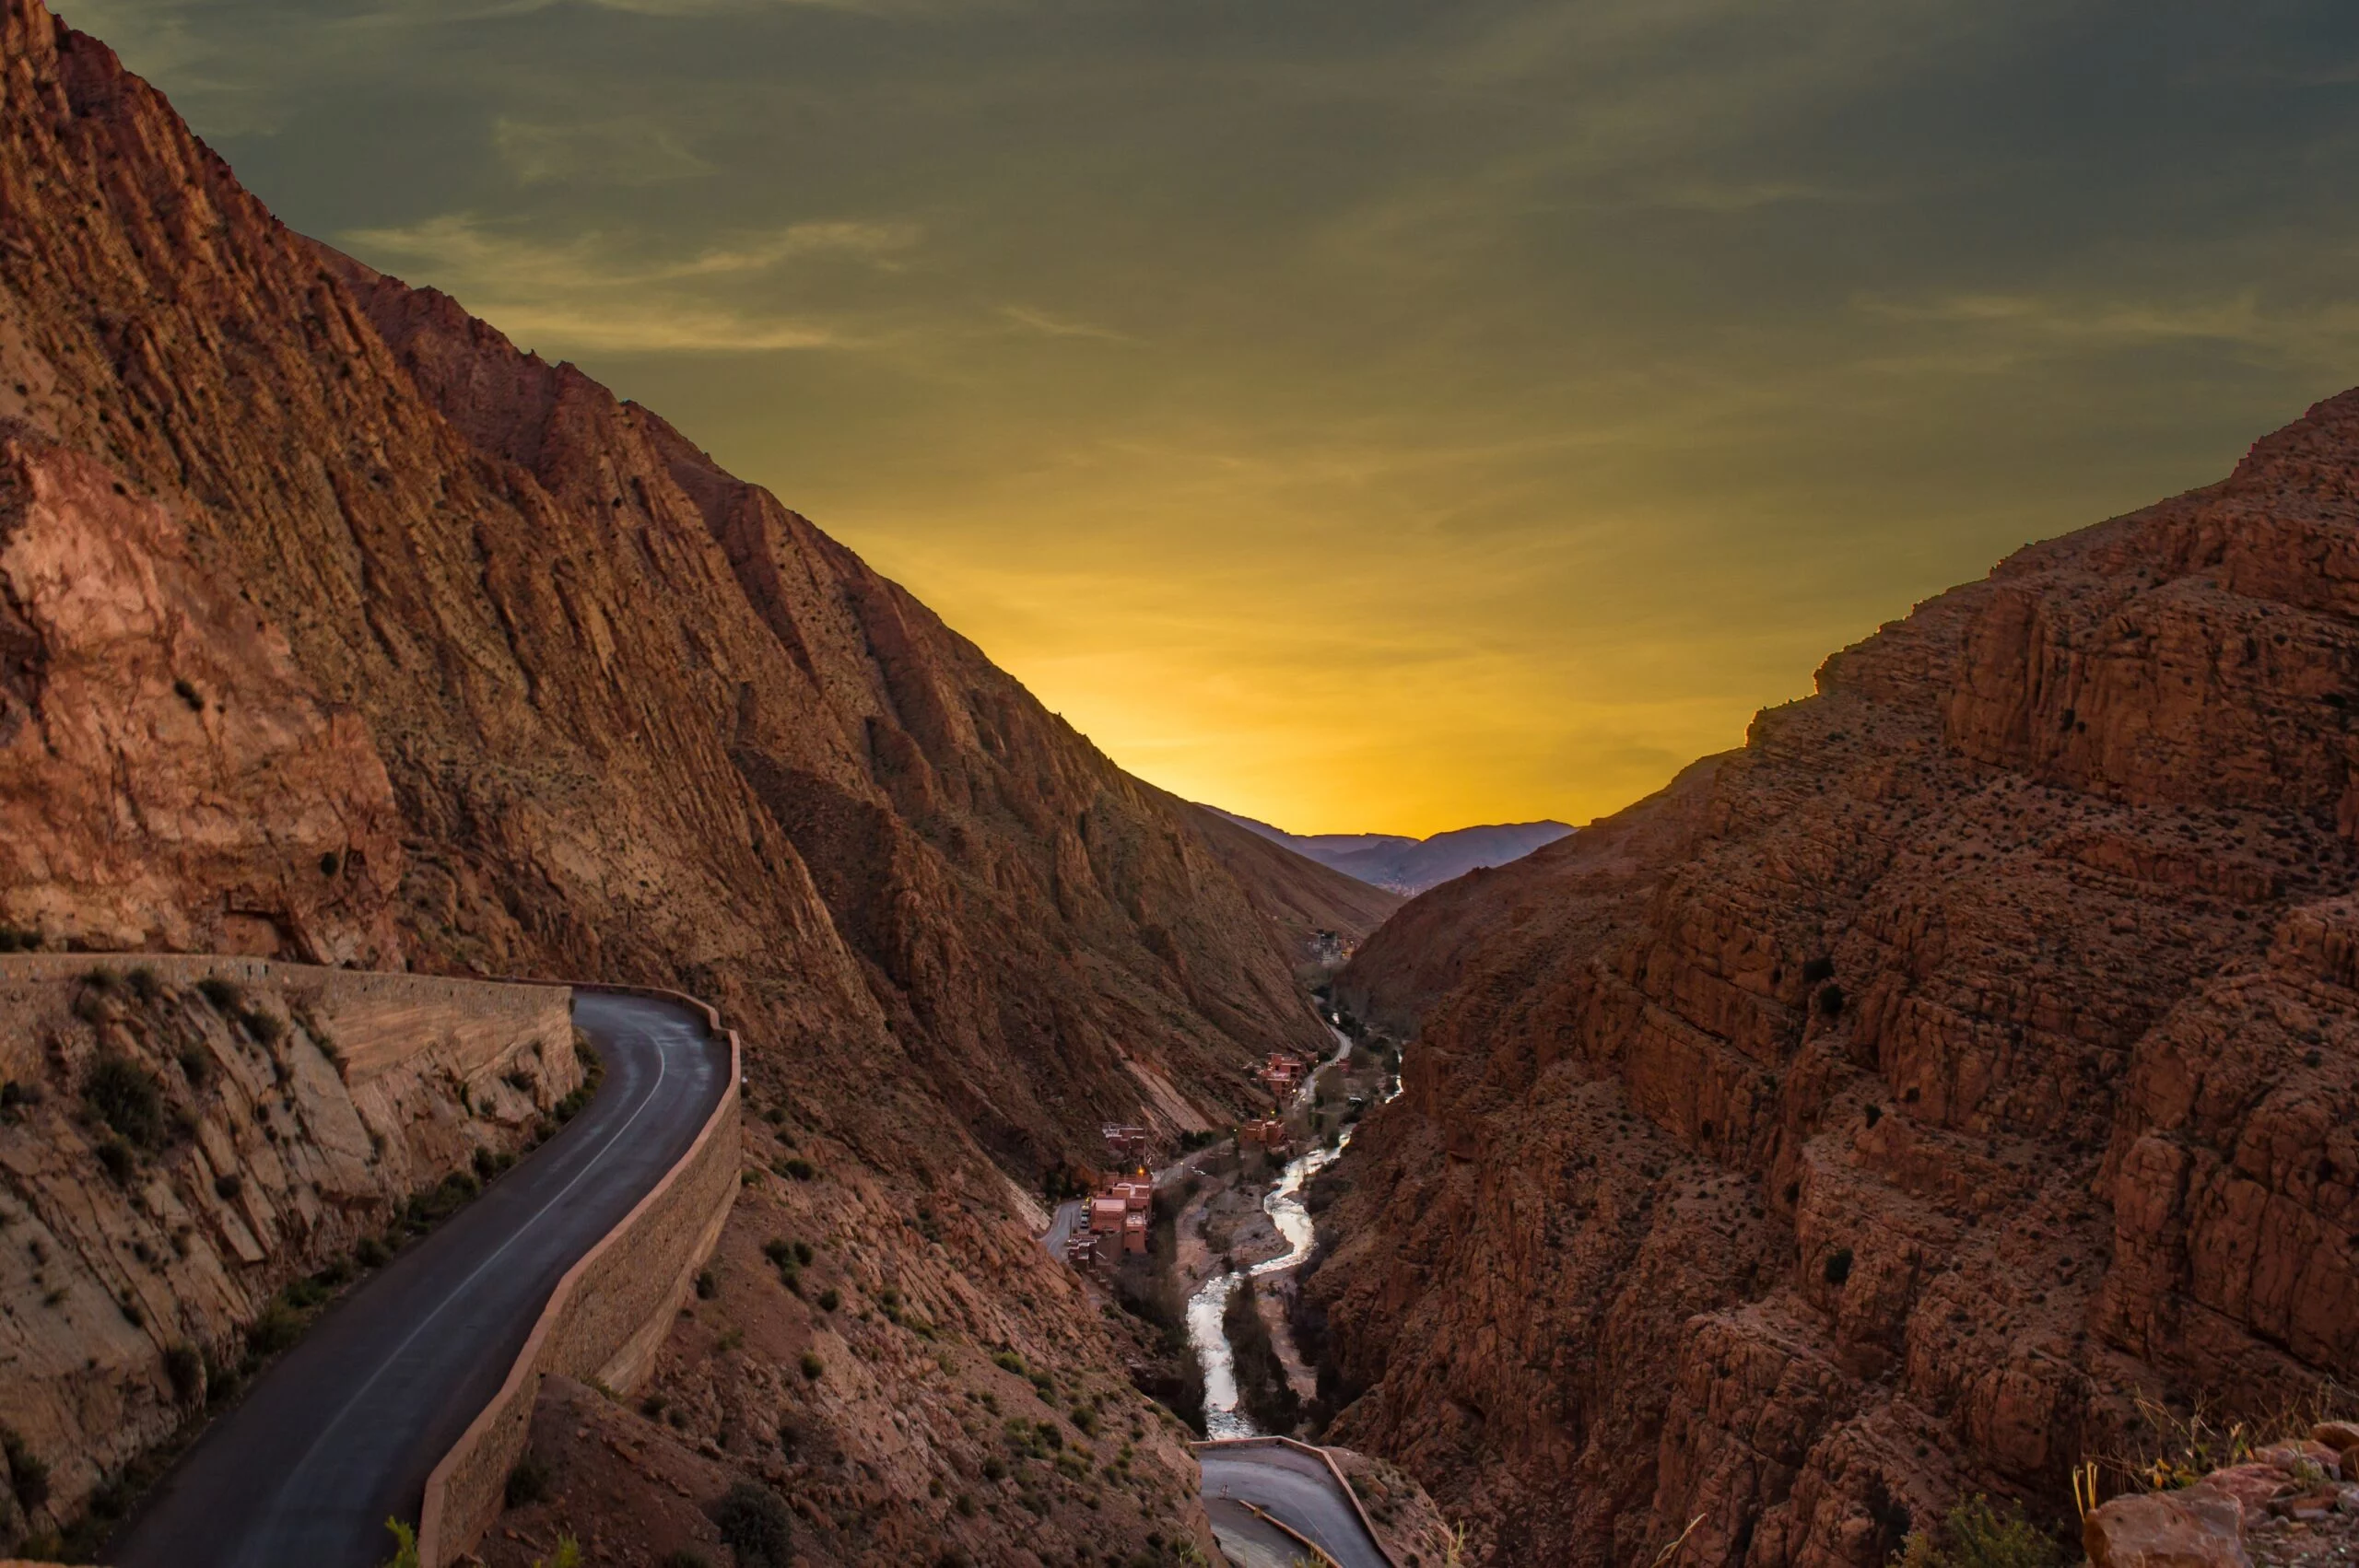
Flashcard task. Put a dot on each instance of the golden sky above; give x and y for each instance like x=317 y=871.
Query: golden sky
x=1364 y=415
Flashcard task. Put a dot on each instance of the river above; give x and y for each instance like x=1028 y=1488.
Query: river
x=1284 y=1205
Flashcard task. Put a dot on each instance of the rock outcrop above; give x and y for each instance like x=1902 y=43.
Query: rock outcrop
x=1884 y=1109
x=332 y=626
x=180 y=1140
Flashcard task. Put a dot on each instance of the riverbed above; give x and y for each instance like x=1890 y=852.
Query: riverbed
x=1284 y=1206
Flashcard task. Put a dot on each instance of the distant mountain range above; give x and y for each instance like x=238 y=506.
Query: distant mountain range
x=1410 y=865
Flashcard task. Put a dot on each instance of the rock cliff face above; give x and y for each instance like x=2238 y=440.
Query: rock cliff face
x=184 y=1137
x=331 y=627
x=1879 y=1112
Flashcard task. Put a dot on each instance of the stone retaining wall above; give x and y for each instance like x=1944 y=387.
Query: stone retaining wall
x=287 y=1146
x=1342 y=1484
x=605 y=1320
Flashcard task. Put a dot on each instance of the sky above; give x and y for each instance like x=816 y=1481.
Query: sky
x=1363 y=414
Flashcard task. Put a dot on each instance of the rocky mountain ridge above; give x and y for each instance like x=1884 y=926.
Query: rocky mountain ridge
x=1409 y=866
x=331 y=627
x=1911 y=1103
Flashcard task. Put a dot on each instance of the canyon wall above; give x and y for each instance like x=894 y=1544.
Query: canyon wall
x=181 y=1138
x=335 y=628
x=1883 y=1110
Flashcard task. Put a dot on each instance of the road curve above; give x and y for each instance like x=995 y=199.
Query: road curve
x=1293 y=1487
x=1060 y=1228
x=343 y=1431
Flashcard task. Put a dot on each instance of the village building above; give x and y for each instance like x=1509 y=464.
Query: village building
x=1268 y=1133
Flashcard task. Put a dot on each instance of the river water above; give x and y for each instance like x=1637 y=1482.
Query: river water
x=1284 y=1205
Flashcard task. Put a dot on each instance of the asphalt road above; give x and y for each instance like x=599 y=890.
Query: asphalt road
x=1292 y=1486
x=1061 y=1229
x=343 y=1431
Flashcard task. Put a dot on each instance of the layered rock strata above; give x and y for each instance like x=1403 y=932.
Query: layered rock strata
x=332 y=626
x=1886 y=1109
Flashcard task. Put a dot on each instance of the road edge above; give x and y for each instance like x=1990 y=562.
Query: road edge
x=465 y=1491
x=1324 y=1457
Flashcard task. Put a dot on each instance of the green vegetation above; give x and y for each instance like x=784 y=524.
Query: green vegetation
x=404 y=1545
x=1975 y=1535
x=16 y=939
x=527 y=1484
x=227 y=996
x=812 y=1365
x=116 y=1157
x=127 y=1096
x=27 y=1474
x=755 y=1525
x=185 y=1368
x=196 y=1064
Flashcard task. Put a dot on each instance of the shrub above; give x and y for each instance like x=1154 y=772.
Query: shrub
x=799 y=1168
x=16 y=939
x=1975 y=1535
x=225 y=995
x=267 y=1028
x=527 y=1484
x=829 y=1299
x=369 y=1253
x=116 y=1157
x=102 y=978
x=685 y=1558
x=145 y=984
x=707 y=1286
x=1830 y=1001
x=812 y=1365
x=127 y=1096
x=1838 y=1265
x=755 y=1525
x=1818 y=969
x=228 y=1185
x=196 y=1065
x=27 y=1474
x=803 y=1252
x=185 y=1368
x=278 y=1326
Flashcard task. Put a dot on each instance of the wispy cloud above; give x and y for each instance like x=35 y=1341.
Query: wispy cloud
x=588 y=294
x=1047 y=325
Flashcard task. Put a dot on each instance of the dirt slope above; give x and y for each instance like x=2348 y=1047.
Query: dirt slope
x=1876 y=1113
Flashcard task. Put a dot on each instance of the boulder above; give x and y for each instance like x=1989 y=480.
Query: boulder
x=2167 y=1530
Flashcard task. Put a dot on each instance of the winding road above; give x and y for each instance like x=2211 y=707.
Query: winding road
x=1060 y=1228
x=1291 y=1486
x=343 y=1431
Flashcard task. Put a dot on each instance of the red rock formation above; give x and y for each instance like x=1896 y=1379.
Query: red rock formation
x=1875 y=1113
x=491 y=671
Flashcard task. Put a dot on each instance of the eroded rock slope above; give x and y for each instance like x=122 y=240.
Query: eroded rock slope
x=1883 y=1110
x=334 y=627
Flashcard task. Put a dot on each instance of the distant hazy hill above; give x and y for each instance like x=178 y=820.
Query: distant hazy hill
x=1410 y=865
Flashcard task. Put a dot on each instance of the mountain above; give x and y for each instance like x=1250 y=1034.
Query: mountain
x=1410 y=865
x=1309 y=898
x=335 y=628
x=1956 y=1085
